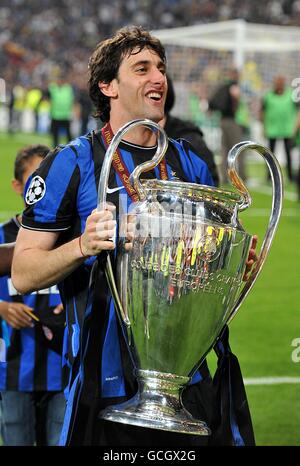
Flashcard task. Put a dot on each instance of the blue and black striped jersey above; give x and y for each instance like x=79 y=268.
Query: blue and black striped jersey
x=27 y=363
x=67 y=182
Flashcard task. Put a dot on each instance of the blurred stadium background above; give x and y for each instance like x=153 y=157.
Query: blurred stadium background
x=41 y=40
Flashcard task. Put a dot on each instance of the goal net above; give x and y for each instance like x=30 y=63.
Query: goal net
x=198 y=56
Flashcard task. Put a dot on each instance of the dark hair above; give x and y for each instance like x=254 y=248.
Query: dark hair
x=170 y=98
x=25 y=155
x=107 y=57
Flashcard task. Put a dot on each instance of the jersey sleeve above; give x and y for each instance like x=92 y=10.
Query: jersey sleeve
x=51 y=193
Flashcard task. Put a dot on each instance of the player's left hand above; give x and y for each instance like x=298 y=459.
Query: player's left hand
x=252 y=259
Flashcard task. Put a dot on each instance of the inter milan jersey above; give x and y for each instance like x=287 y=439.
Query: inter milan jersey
x=27 y=363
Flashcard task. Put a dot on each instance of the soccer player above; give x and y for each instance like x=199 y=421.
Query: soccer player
x=32 y=325
x=62 y=231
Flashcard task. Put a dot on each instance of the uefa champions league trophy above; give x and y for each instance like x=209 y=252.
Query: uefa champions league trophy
x=178 y=278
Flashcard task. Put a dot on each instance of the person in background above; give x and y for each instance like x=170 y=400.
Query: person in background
x=61 y=97
x=33 y=97
x=278 y=115
x=16 y=107
x=177 y=128
x=226 y=101
x=32 y=325
x=86 y=109
x=243 y=118
x=43 y=110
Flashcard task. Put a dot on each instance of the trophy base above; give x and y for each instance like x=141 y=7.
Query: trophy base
x=156 y=409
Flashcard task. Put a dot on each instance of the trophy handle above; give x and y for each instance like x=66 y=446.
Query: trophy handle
x=162 y=145
x=277 y=195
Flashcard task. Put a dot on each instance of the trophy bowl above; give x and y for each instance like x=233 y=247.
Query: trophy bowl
x=178 y=280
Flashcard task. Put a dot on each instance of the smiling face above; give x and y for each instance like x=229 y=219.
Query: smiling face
x=139 y=90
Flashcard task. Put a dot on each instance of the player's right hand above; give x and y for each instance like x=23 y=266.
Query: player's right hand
x=99 y=229
x=15 y=315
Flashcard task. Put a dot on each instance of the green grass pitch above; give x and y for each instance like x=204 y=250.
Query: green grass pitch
x=268 y=321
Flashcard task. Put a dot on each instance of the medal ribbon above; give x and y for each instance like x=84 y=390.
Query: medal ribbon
x=121 y=168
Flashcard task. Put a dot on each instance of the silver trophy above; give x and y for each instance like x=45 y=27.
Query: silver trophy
x=178 y=278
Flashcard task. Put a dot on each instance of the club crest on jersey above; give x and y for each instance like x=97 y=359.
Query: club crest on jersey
x=36 y=190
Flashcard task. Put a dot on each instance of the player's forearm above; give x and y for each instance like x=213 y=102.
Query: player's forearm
x=35 y=269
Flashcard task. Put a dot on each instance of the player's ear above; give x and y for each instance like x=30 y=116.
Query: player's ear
x=109 y=89
x=17 y=186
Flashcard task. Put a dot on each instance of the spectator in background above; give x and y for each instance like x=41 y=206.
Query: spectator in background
x=86 y=108
x=33 y=97
x=177 y=128
x=43 y=111
x=226 y=100
x=16 y=107
x=61 y=108
x=278 y=115
x=32 y=401
x=243 y=118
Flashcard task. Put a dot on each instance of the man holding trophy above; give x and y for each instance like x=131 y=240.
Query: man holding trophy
x=68 y=231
